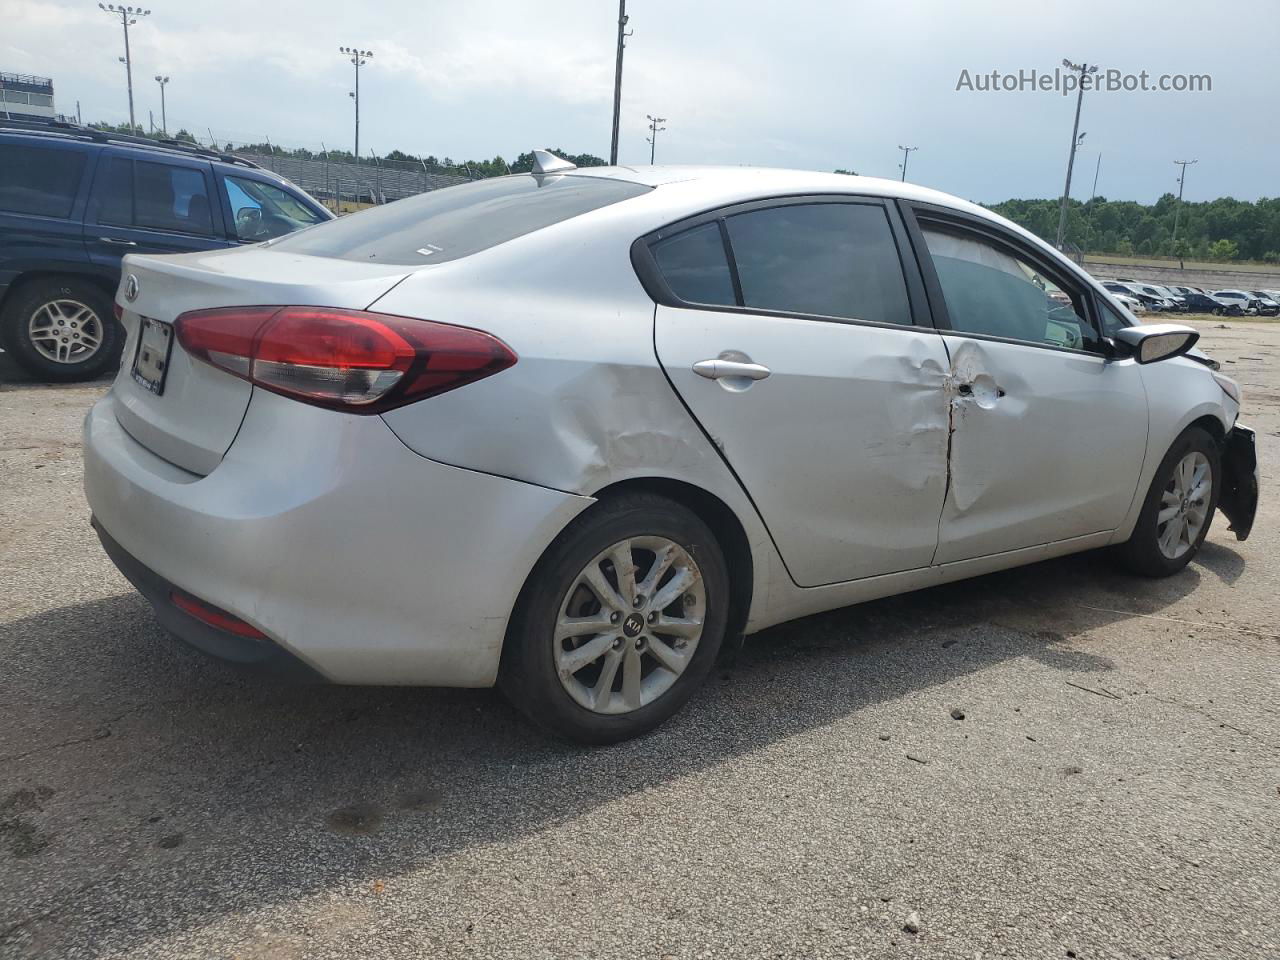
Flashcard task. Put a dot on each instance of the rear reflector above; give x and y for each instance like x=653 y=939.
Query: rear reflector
x=214 y=617
x=349 y=360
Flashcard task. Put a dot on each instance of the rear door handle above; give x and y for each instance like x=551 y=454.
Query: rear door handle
x=118 y=241
x=719 y=369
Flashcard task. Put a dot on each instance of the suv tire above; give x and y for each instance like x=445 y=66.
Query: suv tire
x=61 y=329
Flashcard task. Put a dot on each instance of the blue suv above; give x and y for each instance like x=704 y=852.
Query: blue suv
x=74 y=201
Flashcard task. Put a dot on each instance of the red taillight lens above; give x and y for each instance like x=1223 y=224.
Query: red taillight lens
x=345 y=359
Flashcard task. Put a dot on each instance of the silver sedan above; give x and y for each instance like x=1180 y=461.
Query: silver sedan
x=567 y=431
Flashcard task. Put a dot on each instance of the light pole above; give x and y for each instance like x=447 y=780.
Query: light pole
x=623 y=33
x=358 y=59
x=128 y=17
x=1182 y=177
x=1085 y=70
x=164 y=119
x=906 y=155
x=654 y=129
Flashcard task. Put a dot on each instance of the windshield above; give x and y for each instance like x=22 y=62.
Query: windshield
x=455 y=222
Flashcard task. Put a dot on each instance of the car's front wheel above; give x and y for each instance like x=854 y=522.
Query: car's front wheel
x=61 y=329
x=1178 y=510
x=620 y=621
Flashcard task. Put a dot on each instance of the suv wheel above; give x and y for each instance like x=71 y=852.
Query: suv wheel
x=61 y=329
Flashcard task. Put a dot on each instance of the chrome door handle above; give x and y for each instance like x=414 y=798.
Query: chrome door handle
x=118 y=241
x=719 y=369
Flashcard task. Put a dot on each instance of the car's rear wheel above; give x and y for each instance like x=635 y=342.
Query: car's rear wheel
x=620 y=622
x=1217 y=311
x=1178 y=510
x=61 y=329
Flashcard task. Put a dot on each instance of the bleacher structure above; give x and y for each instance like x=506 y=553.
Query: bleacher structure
x=373 y=181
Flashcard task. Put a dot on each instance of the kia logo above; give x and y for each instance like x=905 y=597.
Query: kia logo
x=131 y=288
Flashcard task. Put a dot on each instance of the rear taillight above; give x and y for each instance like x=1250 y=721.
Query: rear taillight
x=344 y=359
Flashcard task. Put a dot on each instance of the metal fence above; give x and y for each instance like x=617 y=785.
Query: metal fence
x=345 y=186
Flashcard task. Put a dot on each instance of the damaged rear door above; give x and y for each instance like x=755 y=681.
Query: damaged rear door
x=787 y=329
x=1048 y=434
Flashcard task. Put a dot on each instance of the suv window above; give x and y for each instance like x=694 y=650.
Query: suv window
x=261 y=211
x=154 y=196
x=695 y=266
x=826 y=259
x=39 y=180
x=456 y=222
x=989 y=290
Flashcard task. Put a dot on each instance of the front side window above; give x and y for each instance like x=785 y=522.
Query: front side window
x=39 y=181
x=262 y=211
x=825 y=259
x=990 y=291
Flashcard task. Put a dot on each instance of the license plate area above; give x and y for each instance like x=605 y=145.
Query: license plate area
x=151 y=359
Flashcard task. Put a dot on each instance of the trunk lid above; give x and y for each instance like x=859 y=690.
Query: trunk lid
x=194 y=418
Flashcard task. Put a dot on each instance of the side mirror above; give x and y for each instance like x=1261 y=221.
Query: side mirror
x=1157 y=341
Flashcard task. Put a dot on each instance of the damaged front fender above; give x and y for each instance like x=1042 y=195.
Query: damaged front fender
x=1239 y=498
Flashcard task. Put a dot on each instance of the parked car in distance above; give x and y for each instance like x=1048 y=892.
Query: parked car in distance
x=1267 y=305
x=1131 y=303
x=1203 y=303
x=1149 y=300
x=1179 y=299
x=74 y=201
x=446 y=452
x=1160 y=293
x=1242 y=302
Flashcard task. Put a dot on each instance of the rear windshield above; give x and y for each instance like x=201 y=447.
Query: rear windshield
x=458 y=221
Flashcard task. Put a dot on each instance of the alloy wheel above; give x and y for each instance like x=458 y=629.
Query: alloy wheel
x=65 y=331
x=1184 y=505
x=629 y=625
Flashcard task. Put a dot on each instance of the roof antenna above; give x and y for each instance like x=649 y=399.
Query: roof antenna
x=544 y=161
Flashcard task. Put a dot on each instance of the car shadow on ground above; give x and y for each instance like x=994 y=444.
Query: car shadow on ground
x=214 y=794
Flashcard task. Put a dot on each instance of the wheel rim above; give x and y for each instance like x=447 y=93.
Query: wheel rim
x=1184 y=505
x=629 y=625
x=65 y=331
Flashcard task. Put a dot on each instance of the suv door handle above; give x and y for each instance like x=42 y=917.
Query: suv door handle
x=719 y=369
x=118 y=241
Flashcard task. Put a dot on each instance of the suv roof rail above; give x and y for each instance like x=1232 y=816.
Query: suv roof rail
x=63 y=129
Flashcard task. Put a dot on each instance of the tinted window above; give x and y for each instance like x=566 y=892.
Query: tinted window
x=113 y=192
x=168 y=197
x=458 y=221
x=39 y=180
x=989 y=290
x=828 y=259
x=695 y=266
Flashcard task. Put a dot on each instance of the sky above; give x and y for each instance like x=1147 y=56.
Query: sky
x=800 y=83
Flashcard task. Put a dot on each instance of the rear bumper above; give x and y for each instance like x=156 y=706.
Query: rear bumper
x=1239 y=497
x=359 y=559
x=261 y=655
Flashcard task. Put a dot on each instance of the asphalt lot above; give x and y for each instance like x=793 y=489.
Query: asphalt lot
x=1113 y=789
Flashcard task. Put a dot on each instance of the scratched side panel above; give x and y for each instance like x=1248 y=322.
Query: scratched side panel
x=1048 y=445
x=842 y=447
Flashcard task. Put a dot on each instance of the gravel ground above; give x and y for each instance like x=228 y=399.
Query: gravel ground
x=1113 y=789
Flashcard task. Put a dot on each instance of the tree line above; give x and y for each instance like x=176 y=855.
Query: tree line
x=1222 y=229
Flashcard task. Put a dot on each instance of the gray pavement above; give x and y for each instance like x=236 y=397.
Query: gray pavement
x=1113 y=789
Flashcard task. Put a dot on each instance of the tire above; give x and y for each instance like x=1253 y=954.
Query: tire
x=1144 y=553
x=1217 y=311
x=71 y=304
x=583 y=706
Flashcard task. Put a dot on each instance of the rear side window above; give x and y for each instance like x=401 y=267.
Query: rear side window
x=827 y=259
x=456 y=222
x=152 y=196
x=39 y=180
x=695 y=266
x=169 y=197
